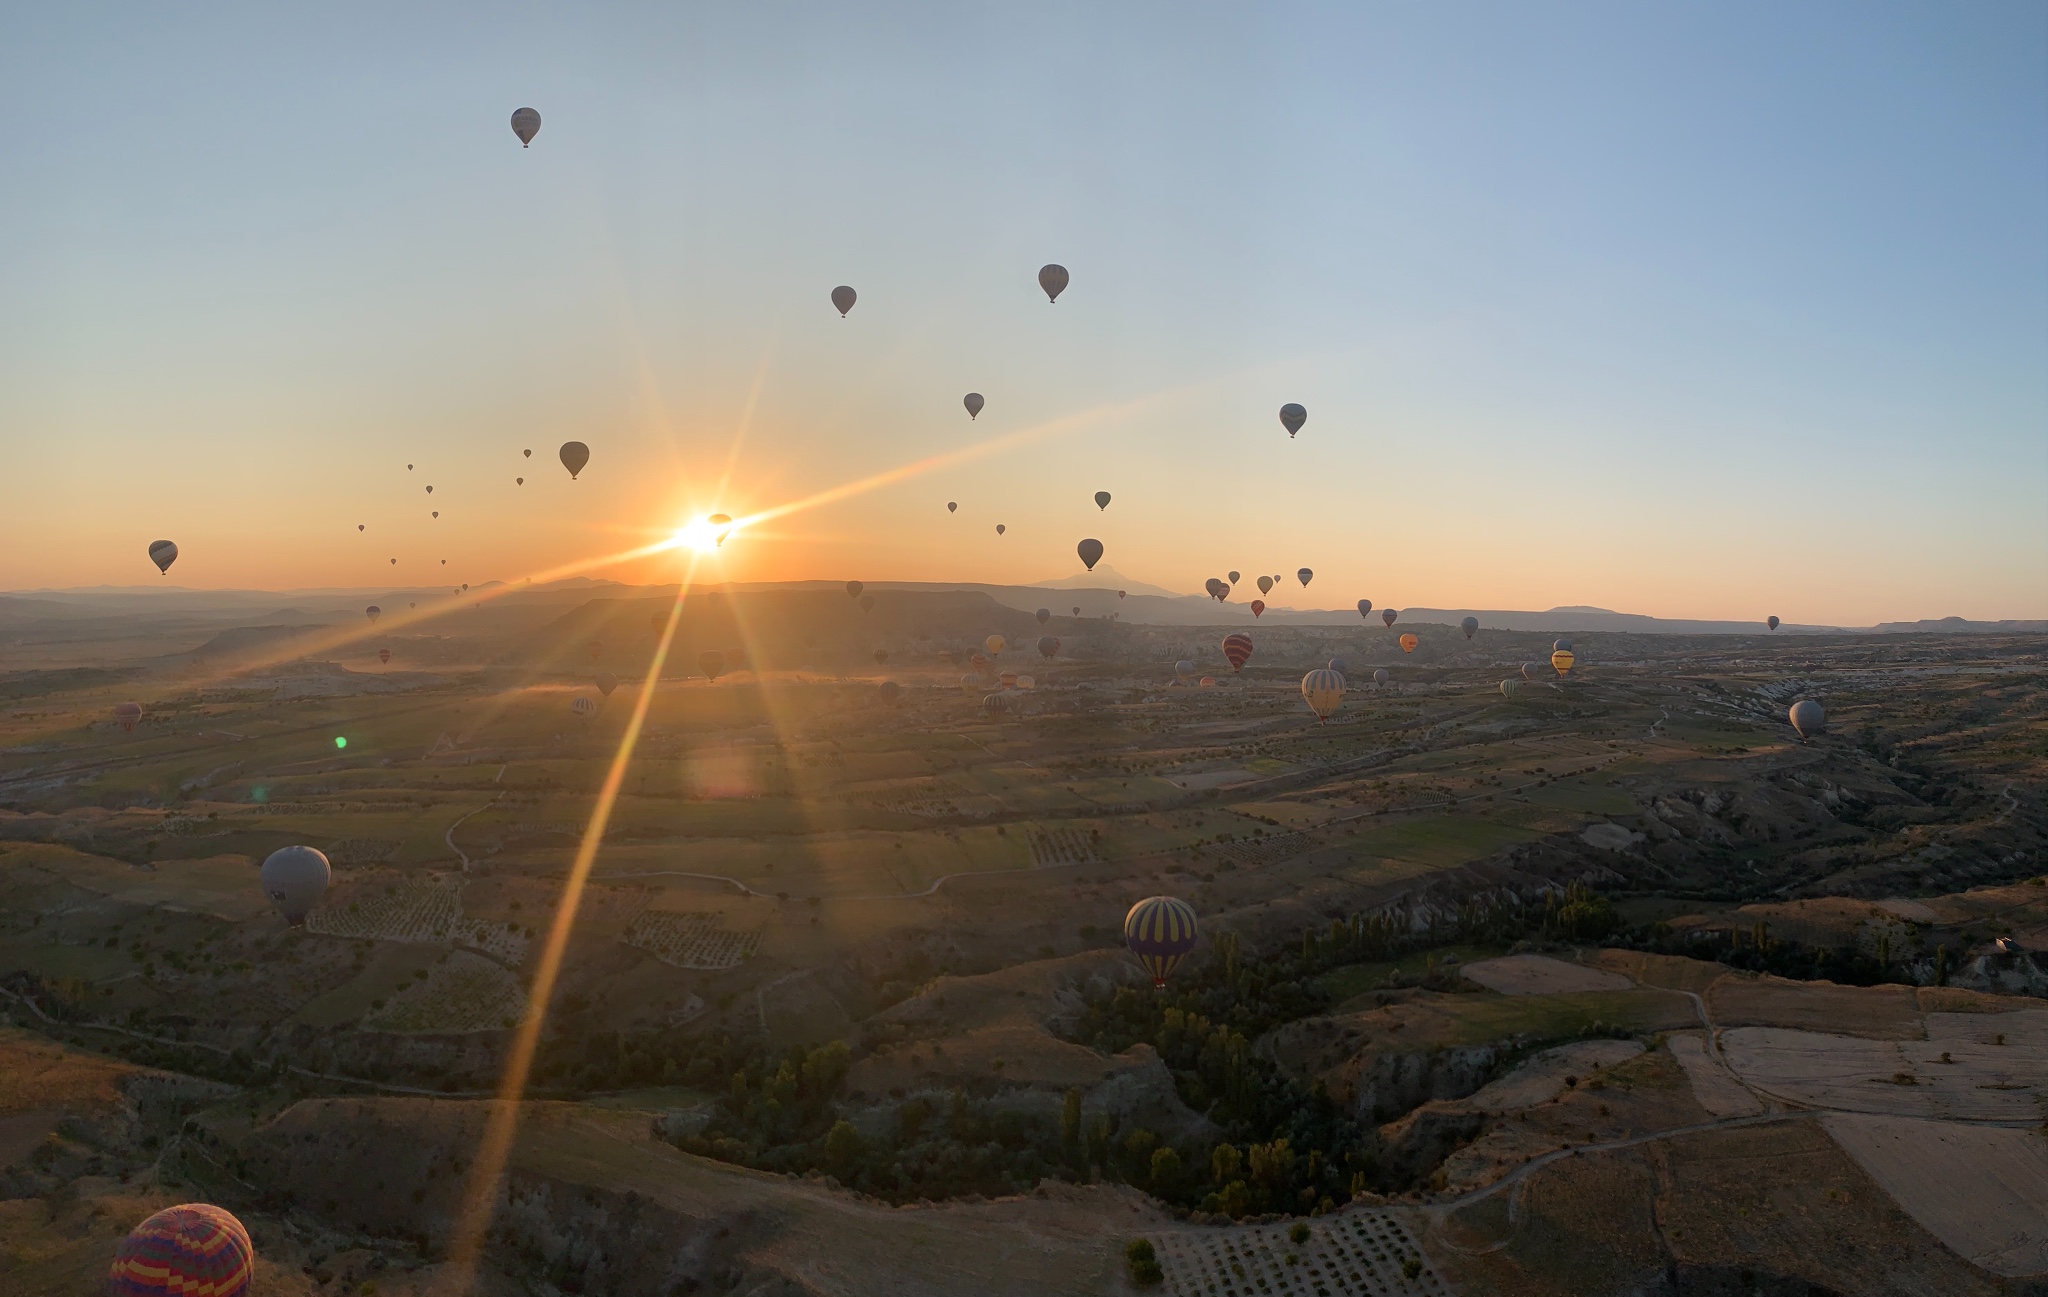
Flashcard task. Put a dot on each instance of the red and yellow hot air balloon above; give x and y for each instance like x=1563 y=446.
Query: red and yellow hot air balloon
x=1237 y=650
x=1408 y=642
x=1561 y=661
x=186 y=1250
x=1160 y=931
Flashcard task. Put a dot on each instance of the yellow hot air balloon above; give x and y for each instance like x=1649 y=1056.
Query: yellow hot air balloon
x=1561 y=661
x=1408 y=642
x=995 y=644
x=1160 y=931
x=1323 y=690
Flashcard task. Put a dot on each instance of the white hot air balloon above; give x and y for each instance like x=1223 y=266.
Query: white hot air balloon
x=295 y=878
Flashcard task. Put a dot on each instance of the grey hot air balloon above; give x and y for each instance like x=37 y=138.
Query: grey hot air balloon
x=952 y=506
x=1304 y=576
x=1530 y=671
x=1365 y=607
x=1380 y=677
x=1053 y=279
x=1044 y=615
x=867 y=603
x=373 y=612
x=1077 y=610
x=606 y=682
x=973 y=402
x=1561 y=646
x=1000 y=529
x=1215 y=588
x=1102 y=499
x=853 y=589
x=295 y=878
x=1470 y=626
x=1048 y=646
x=1340 y=666
x=1292 y=416
x=526 y=125
x=844 y=298
x=1389 y=616
x=1265 y=585
x=162 y=553
x=574 y=456
x=1090 y=551
x=1772 y=622
x=1808 y=718
x=889 y=692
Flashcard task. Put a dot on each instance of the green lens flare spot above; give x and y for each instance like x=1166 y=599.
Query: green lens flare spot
x=340 y=742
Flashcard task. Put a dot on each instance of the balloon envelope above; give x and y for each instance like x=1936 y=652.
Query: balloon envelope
x=1215 y=588
x=1772 y=622
x=1102 y=499
x=1183 y=668
x=526 y=125
x=1340 y=666
x=1044 y=615
x=889 y=691
x=1258 y=607
x=1265 y=585
x=1365 y=607
x=853 y=589
x=1561 y=662
x=606 y=682
x=1292 y=416
x=1000 y=529
x=1048 y=646
x=1808 y=718
x=188 y=1249
x=1381 y=677
x=1388 y=615
x=1564 y=644
x=970 y=683
x=1530 y=671
x=1233 y=578
x=711 y=662
x=1304 y=576
x=1237 y=650
x=1160 y=931
x=1510 y=687
x=373 y=612
x=1091 y=553
x=384 y=655
x=583 y=707
x=1470 y=626
x=1053 y=279
x=995 y=645
x=867 y=603
x=844 y=298
x=881 y=656
x=129 y=715
x=1408 y=643
x=973 y=402
x=952 y=505
x=163 y=553
x=574 y=456
x=1323 y=690
x=295 y=878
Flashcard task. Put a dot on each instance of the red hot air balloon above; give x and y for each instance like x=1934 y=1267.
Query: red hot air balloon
x=129 y=714
x=1237 y=650
x=1258 y=607
x=190 y=1249
x=1388 y=615
x=384 y=655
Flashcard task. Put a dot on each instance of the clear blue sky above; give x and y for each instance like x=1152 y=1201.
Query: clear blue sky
x=1710 y=310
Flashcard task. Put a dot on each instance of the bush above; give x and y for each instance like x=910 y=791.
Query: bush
x=1142 y=1263
x=1297 y=1233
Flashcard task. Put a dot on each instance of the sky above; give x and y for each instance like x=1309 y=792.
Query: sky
x=1691 y=310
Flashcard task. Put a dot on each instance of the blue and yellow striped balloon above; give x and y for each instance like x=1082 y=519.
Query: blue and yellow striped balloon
x=1160 y=930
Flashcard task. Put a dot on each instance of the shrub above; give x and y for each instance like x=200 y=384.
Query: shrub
x=1142 y=1263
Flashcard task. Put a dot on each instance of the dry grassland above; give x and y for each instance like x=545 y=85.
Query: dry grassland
x=1981 y=1190
x=1540 y=975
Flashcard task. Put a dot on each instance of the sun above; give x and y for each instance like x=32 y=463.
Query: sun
x=704 y=535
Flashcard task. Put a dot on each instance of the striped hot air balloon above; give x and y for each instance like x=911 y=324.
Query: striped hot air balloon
x=190 y=1249
x=1237 y=650
x=1561 y=661
x=1323 y=690
x=1160 y=930
x=1258 y=607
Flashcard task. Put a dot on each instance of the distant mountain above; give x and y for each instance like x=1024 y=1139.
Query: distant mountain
x=1960 y=626
x=1105 y=577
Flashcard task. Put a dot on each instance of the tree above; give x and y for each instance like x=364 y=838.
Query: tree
x=1142 y=1263
x=842 y=1145
x=1224 y=1163
x=1165 y=1170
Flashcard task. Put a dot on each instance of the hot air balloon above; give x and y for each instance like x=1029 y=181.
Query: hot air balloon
x=1564 y=644
x=867 y=603
x=1215 y=588
x=889 y=691
x=1160 y=931
x=1323 y=690
x=994 y=704
x=1053 y=279
x=1183 y=668
x=373 y=612
x=724 y=525
x=1026 y=682
x=1119 y=594
x=527 y=452
x=1258 y=607
x=1470 y=626
x=1340 y=666
x=1530 y=671
x=606 y=682
x=129 y=715
x=1772 y=622
x=430 y=489
x=1381 y=677
x=574 y=456
x=973 y=402
x=1389 y=616
x=1000 y=529
x=853 y=589
x=970 y=684
x=711 y=662
x=526 y=125
x=1048 y=646
x=1237 y=650
x=1365 y=607
x=1102 y=499
x=1044 y=615
x=189 y=1249
x=979 y=662
x=519 y=481
x=1510 y=687
x=995 y=644
x=1561 y=662
x=163 y=553
x=881 y=656
x=359 y=526
x=1408 y=643
x=952 y=506
x=1808 y=718
x=1292 y=416
x=1091 y=553
x=295 y=878
x=1233 y=578
x=583 y=707
x=1077 y=610
x=1007 y=679
x=1304 y=576
x=1207 y=682
x=384 y=656
x=844 y=298
x=596 y=649
x=1265 y=585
